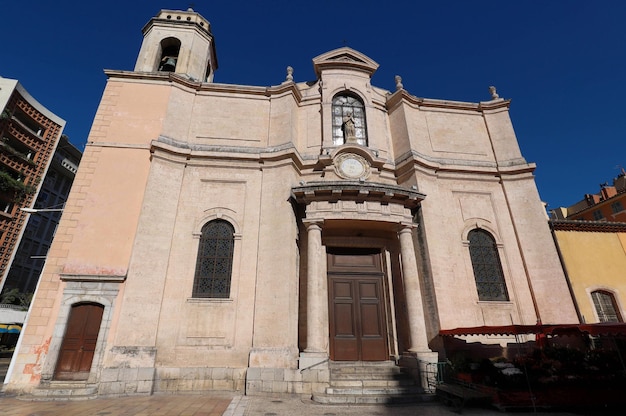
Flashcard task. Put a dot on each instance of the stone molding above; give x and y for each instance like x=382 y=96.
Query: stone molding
x=333 y=191
x=71 y=277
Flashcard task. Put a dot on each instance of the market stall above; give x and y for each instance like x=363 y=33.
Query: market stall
x=547 y=366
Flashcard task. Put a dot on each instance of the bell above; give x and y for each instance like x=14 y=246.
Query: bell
x=168 y=64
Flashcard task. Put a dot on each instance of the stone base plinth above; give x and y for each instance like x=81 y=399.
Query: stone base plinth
x=313 y=359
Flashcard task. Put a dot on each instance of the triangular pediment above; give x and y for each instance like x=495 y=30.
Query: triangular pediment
x=346 y=58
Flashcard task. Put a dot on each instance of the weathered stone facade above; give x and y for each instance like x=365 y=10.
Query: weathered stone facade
x=320 y=222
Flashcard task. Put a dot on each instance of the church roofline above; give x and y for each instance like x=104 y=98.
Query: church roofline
x=289 y=87
x=402 y=95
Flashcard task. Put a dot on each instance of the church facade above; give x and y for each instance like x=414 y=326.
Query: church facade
x=244 y=237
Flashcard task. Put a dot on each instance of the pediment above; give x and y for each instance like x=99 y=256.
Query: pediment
x=346 y=58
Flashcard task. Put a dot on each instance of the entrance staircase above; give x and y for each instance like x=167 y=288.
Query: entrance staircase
x=369 y=383
x=63 y=390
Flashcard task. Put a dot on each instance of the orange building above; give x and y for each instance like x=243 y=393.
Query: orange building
x=29 y=134
x=607 y=205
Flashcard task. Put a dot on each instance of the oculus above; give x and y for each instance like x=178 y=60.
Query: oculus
x=351 y=166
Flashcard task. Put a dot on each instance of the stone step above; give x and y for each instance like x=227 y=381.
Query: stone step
x=365 y=370
x=369 y=376
x=369 y=383
x=64 y=391
x=353 y=364
x=366 y=399
x=372 y=383
x=373 y=391
x=55 y=398
x=361 y=370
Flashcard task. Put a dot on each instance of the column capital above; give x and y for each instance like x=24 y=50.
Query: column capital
x=312 y=223
x=406 y=227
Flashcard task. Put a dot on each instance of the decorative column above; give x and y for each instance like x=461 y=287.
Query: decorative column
x=415 y=308
x=317 y=299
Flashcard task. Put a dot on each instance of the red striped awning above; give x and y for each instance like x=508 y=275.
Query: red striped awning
x=562 y=329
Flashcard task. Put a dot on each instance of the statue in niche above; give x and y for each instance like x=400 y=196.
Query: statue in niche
x=348 y=127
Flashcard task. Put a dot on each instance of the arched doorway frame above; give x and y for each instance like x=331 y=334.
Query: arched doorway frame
x=76 y=292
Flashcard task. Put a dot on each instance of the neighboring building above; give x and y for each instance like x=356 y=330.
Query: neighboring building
x=29 y=134
x=594 y=258
x=220 y=236
x=35 y=243
x=607 y=205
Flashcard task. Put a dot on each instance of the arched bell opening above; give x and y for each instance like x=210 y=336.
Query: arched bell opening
x=170 y=49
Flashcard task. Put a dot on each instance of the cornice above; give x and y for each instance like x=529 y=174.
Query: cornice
x=193 y=19
x=185 y=152
x=99 y=278
x=441 y=165
x=401 y=95
x=286 y=87
x=333 y=191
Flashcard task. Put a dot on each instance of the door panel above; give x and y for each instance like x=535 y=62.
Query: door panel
x=343 y=289
x=79 y=342
x=369 y=324
x=358 y=328
x=344 y=320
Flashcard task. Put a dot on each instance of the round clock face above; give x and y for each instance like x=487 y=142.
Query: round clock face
x=352 y=168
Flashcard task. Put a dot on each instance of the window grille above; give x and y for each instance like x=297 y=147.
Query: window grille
x=606 y=307
x=215 y=261
x=344 y=107
x=487 y=267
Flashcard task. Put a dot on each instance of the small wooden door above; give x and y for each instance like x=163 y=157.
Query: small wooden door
x=79 y=342
x=358 y=330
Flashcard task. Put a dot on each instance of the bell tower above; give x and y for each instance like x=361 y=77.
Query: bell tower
x=179 y=42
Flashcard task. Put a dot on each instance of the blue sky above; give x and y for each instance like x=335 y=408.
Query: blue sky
x=563 y=63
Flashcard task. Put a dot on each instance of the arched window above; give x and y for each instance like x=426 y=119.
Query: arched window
x=349 y=120
x=170 y=48
x=606 y=307
x=215 y=260
x=487 y=267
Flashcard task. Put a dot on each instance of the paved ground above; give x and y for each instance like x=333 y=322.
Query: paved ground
x=4 y=366
x=230 y=404
x=156 y=405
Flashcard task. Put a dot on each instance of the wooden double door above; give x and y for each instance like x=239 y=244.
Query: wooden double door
x=79 y=343
x=358 y=329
